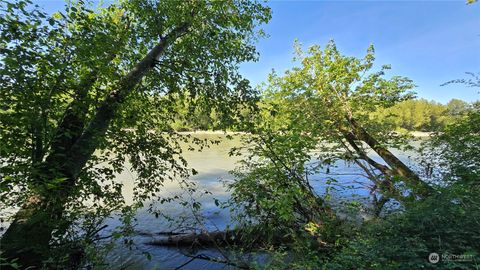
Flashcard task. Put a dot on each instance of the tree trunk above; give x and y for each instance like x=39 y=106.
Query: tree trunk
x=29 y=234
x=27 y=238
x=244 y=238
x=204 y=239
x=397 y=167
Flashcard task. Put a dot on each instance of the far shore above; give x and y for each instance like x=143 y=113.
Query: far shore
x=421 y=133
x=417 y=134
x=212 y=132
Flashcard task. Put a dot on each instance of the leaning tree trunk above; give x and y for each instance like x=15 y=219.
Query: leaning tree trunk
x=397 y=167
x=27 y=238
x=41 y=214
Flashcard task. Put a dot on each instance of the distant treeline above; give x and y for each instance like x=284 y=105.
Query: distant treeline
x=194 y=115
x=411 y=115
x=423 y=115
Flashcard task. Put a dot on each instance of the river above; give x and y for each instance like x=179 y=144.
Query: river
x=213 y=165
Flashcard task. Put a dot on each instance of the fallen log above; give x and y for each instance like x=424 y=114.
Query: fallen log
x=163 y=233
x=205 y=239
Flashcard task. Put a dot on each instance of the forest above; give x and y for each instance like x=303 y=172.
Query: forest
x=408 y=115
x=335 y=163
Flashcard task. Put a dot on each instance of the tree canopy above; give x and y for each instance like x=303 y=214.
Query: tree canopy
x=328 y=109
x=95 y=89
x=104 y=80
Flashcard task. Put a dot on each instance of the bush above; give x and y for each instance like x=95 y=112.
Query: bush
x=447 y=224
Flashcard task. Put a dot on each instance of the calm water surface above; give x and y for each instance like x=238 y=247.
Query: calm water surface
x=213 y=165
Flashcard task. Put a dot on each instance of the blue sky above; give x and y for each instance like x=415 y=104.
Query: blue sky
x=430 y=42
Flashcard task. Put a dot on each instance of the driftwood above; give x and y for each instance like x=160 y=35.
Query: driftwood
x=205 y=239
x=245 y=238
x=168 y=233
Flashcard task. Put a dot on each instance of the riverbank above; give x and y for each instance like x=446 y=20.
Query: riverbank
x=421 y=134
x=417 y=134
x=212 y=132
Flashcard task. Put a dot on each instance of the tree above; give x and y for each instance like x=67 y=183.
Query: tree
x=456 y=107
x=273 y=195
x=421 y=114
x=331 y=97
x=456 y=148
x=314 y=115
x=404 y=239
x=71 y=84
x=326 y=104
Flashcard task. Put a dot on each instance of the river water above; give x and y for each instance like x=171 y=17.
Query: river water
x=213 y=165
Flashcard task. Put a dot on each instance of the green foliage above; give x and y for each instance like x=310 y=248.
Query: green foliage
x=462 y=142
x=312 y=106
x=192 y=116
x=325 y=90
x=454 y=151
x=77 y=60
x=327 y=86
x=270 y=187
x=444 y=224
x=306 y=111
x=61 y=69
x=11 y=264
x=421 y=115
x=272 y=199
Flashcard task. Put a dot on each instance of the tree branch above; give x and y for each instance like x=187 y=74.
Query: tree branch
x=88 y=141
